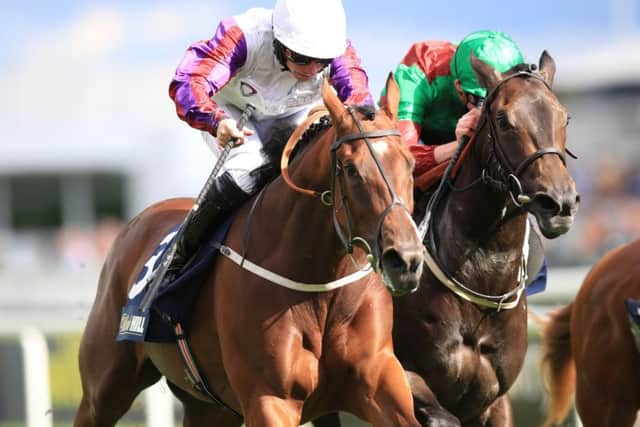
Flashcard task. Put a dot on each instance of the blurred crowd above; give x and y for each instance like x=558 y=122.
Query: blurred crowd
x=81 y=247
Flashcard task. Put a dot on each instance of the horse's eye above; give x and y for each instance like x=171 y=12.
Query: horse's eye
x=351 y=170
x=503 y=121
x=568 y=120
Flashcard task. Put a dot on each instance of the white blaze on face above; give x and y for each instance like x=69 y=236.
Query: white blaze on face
x=381 y=147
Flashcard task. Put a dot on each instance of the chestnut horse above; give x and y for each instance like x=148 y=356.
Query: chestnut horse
x=591 y=337
x=462 y=337
x=279 y=356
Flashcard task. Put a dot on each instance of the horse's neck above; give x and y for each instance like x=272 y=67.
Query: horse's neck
x=474 y=237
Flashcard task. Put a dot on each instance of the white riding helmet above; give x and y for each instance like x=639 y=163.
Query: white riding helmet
x=314 y=28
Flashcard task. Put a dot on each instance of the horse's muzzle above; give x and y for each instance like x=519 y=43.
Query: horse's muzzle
x=402 y=269
x=554 y=212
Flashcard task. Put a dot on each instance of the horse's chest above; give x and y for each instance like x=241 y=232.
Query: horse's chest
x=476 y=352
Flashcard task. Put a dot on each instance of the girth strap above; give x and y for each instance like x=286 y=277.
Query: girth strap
x=198 y=382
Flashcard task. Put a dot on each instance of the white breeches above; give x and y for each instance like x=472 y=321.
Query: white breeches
x=247 y=157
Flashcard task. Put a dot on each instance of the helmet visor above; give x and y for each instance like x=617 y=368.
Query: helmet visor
x=299 y=59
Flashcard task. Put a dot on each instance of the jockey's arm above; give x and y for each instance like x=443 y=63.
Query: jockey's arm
x=428 y=156
x=349 y=78
x=205 y=68
x=423 y=154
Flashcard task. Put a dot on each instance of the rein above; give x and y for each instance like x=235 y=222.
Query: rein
x=511 y=185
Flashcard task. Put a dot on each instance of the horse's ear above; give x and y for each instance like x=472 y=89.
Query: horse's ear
x=389 y=102
x=547 y=67
x=332 y=102
x=488 y=76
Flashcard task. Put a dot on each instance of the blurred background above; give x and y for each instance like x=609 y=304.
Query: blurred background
x=90 y=137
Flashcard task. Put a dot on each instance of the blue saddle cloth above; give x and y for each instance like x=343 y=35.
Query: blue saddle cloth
x=633 y=314
x=173 y=299
x=539 y=283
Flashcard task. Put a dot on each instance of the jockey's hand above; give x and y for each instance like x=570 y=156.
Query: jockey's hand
x=467 y=123
x=228 y=130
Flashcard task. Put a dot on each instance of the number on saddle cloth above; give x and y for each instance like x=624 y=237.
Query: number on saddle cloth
x=173 y=300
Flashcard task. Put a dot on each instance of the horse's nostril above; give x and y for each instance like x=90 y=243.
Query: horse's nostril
x=405 y=262
x=577 y=199
x=392 y=259
x=415 y=263
x=547 y=203
x=567 y=209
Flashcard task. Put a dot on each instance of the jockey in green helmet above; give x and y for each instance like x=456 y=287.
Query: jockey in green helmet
x=439 y=91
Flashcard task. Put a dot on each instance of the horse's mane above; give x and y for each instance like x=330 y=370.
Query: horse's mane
x=273 y=148
x=368 y=111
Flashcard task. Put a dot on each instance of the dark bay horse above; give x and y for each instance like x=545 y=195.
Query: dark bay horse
x=462 y=337
x=275 y=355
x=589 y=348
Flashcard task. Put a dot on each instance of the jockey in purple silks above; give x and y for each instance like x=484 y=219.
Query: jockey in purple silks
x=275 y=60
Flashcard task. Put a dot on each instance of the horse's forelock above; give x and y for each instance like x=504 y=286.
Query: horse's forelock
x=367 y=111
x=519 y=68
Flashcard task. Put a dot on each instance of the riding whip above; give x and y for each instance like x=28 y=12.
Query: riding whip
x=169 y=254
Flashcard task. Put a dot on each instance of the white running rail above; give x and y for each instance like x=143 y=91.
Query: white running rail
x=35 y=359
x=158 y=400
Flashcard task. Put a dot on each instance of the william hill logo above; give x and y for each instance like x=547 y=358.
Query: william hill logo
x=132 y=324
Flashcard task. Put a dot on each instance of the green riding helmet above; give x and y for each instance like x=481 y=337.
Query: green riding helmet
x=492 y=47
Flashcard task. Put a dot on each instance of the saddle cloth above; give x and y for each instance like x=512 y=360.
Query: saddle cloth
x=633 y=315
x=174 y=299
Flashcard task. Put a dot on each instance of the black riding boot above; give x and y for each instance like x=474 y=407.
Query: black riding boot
x=214 y=206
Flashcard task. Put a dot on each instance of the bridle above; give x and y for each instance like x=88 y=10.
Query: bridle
x=345 y=234
x=348 y=240
x=507 y=177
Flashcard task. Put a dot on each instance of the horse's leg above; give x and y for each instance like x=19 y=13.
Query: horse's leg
x=499 y=414
x=383 y=398
x=112 y=376
x=428 y=410
x=328 y=420
x=268 y=410
x=200 y=413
